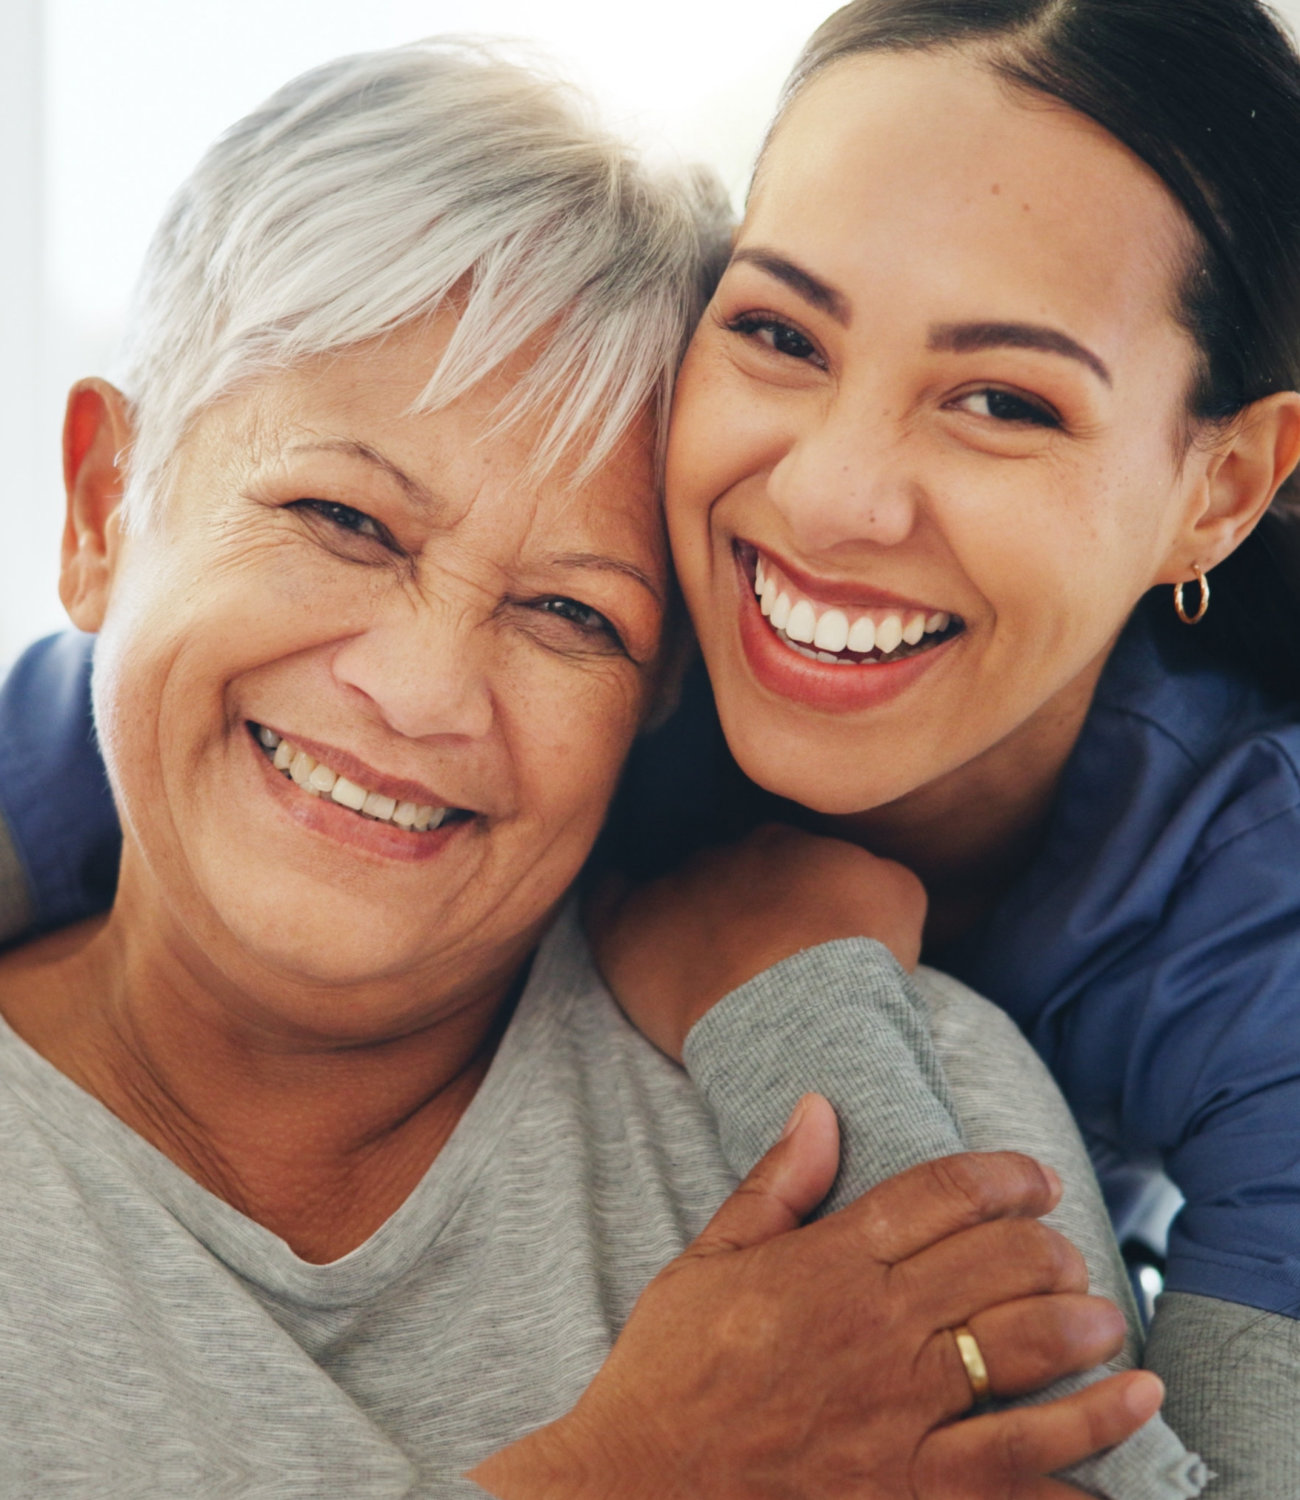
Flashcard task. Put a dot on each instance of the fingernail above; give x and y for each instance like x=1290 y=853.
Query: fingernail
x=797 y=1114
x=1144 y=1394
x=1053 y=1180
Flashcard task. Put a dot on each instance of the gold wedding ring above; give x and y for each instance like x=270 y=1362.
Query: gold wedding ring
x=977 y=1372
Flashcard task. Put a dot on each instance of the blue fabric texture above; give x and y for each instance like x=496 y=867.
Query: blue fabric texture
x=53 y=791
x=1151 y=952
x=1152 y=955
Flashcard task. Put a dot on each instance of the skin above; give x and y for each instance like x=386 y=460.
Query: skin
x=296 y=1005
x=349 y=976
x=828 y=417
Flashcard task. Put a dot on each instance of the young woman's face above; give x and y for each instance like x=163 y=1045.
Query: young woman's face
x=928 y=445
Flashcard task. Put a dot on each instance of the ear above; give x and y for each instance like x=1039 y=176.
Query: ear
x=96 y=434
x=1240 y=478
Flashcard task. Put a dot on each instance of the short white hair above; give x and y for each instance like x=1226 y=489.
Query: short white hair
x=380 y=187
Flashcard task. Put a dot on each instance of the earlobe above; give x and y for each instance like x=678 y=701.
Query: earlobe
x=1256 y=457
x=96 y=433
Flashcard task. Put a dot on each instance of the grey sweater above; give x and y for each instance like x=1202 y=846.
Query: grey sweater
x=154 y=1342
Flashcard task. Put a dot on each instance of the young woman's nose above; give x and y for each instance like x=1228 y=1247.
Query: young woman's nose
x=844 y=479
x=425 y=670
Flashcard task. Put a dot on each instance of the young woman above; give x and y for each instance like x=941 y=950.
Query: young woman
x=1001 y=376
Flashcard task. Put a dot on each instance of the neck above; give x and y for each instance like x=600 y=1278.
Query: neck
x=971 y=833
x=317 y=1137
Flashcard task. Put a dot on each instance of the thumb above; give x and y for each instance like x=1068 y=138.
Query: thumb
x=784 y=1186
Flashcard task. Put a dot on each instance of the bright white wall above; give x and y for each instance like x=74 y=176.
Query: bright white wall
x=105 y=106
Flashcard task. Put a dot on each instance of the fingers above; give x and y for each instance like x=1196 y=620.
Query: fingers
x=1004 y=1453
x=991 y=1263
x=783 y=1188
x=927 y=1203
x=1026 y=1345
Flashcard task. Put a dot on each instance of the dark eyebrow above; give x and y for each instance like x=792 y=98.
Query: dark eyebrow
x=802 y=283
x=598 y=562
x=353 y=449
x=961 y=338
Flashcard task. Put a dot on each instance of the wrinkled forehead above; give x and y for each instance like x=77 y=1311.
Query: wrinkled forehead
x=356 y=426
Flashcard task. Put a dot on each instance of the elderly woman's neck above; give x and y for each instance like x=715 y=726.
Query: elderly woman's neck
x=319 y=1137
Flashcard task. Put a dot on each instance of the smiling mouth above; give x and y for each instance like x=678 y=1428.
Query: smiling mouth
x=848 y=636
x=316 y=779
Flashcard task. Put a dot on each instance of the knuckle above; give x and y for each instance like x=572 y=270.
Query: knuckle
x=968 y=1181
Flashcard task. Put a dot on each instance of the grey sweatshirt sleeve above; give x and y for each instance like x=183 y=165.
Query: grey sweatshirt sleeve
x=916 y=1071
x=1233 y=1374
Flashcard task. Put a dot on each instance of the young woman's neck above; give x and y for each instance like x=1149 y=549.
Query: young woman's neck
x=970 y=834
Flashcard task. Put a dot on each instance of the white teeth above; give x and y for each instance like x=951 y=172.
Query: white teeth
x=802 y=624
x=317 y=779
x=832 y=633
x=378 y=806
x=322 y=779
x=863 y=635
x=348 y=794
x=889 y=634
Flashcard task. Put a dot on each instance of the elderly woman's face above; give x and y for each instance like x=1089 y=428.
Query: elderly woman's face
x=423 y=635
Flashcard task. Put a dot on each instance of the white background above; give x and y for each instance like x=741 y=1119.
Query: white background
x=106 y=104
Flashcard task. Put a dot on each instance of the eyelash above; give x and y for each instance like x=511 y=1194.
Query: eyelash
x=582 y=616
x=750 y=325
x=347 y=518
x=1027 y=411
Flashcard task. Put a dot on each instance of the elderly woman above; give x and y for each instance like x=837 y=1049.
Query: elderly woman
x=331 y=1166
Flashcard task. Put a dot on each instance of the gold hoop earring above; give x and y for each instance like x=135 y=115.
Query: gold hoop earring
x=1201 y=607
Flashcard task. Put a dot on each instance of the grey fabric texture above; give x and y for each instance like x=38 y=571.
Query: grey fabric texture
x=15 y=898
x=917 y=1070
x=155 y=1342
x=1233 y=1374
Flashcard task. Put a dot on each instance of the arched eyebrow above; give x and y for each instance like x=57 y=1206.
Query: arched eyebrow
x=820 y=294
x=961 y=338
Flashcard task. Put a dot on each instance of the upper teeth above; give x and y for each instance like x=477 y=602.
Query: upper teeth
x=832 y=630
x=315 y=776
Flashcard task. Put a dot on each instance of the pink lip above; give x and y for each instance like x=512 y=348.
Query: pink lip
x=829 y=590
x=837 y=689
x=323 y=816
x=364 y=775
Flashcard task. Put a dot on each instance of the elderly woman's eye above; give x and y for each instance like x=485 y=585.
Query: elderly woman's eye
x=345 y=518
x=1005 y=406
x=781 y=338
x=582 y=616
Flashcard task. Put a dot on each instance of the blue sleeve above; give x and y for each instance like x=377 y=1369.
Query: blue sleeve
x=1205 y=1014
x=55 y=803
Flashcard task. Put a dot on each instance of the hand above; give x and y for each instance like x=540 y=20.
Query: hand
x=772 y=1361
x=670 y=950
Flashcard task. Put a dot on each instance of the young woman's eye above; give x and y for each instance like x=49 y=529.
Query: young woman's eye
x=1004 y=406
x=781 y=338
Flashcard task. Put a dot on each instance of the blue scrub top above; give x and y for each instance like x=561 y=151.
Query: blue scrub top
x=1151 y=952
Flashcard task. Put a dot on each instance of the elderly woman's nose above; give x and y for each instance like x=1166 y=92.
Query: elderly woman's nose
x=845 y=479
x=425 y=674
